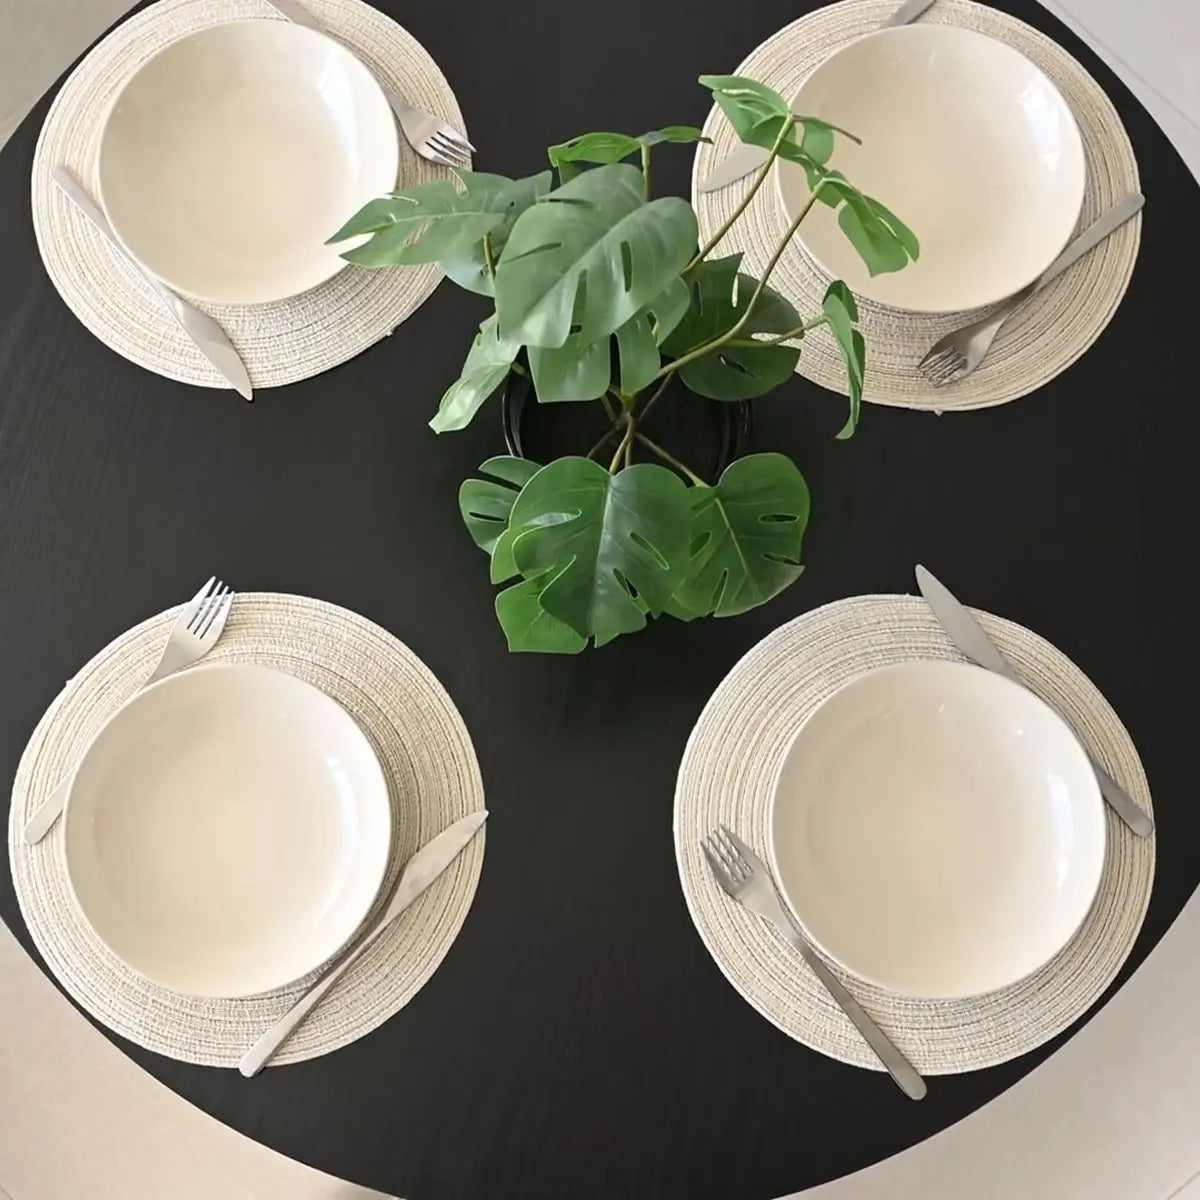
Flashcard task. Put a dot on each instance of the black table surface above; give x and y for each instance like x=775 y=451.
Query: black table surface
x=578 y=1041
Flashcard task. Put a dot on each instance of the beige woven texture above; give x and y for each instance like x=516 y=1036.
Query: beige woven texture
x=1039 y=341
x=433 y=779
x=728 y=774
x=279 y=343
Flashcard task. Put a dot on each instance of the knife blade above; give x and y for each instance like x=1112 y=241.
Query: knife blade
x=297 y=14
x=968 y=635
x=207 y=336
x=421 y=870
x=740 y=162
x=429 y=862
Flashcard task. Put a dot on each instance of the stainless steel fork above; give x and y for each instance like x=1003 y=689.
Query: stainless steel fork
x=195 y=632
x=742 y=874
x=956 y=355
x=428 y=135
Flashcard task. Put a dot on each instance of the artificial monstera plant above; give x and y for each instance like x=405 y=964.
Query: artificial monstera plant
x=603 y=293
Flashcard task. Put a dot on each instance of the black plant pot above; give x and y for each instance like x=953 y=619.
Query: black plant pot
x=706 y=434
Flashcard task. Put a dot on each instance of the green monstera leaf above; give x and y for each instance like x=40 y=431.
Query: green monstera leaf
x=485 y=504
x=740 y=369
x=469 y=267
x=758 y=114
x=607 y=547
x=576 y=370
x=841 y=312
x=605 y=148
x=746 y=534
x=528 y=627
x=588 y=255
x=427 y=222
x=488 y=362
x=639 y=339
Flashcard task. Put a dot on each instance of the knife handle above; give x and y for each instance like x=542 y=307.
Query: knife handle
x=265 y=1048
x=1092 y=236
x=47 y=813
x=77 y=194
x=1122 y=803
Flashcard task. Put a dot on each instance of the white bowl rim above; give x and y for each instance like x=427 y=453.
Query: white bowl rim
x=893 y=31
x=175 y=679
x=337 y=266
x=1092 y=802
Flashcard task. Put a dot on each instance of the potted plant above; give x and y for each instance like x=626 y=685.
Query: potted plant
x=603 y=294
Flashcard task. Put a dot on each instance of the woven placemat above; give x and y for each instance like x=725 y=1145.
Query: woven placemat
x=279 y=343
x=1040 y=340
x=433 y=779
x=727 y=776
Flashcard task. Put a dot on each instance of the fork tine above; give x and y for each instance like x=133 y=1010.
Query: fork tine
x=933 y=362
x=203 y=600
x=949 y=372
x=743 y=850
x=210 y=602
x=455 y=138
x=737 y=866
x=714 y=859
x=220 y=602
x=941 y=368
x=441 y=143
x=437 y=157
x=194 y=604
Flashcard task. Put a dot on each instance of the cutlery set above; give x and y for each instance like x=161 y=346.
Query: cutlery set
x=196 y=632
x=956 y=273
x=746 y=879
x=735 y=866
x=430 y=137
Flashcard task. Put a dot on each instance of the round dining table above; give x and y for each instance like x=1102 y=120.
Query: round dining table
x=578 y=1040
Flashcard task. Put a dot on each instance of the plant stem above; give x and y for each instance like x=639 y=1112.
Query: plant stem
x=763 y=171
x=489 y=263
x=662 y=387
x=799 y=331
x=646 y=171
x=667 y=457
x=608 y=434
x=517 y=368
x=629 y=432
x=609 y=411
x=736 y=327
x=629 y=452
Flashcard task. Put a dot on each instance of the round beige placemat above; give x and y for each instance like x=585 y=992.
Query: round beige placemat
x=433 y=779
x=727 y=777
x=1040 y=340
x=279 y=343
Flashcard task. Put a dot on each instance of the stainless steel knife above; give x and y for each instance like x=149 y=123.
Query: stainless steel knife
x=298 y=14
x=740 y=162
x=210 y=339
x=968 y=635
x=421 y=870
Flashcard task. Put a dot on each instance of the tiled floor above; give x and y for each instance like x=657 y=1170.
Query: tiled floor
x=1155 y=46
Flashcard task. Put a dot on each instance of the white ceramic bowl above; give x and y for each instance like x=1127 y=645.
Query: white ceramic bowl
x=937 y=830
x=227 y=831
x=966 y=141
x=232 y=154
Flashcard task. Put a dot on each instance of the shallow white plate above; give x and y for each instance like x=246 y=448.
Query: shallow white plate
x=227 y=830
x=937 y=829
x=234 y=153
x=966 y=141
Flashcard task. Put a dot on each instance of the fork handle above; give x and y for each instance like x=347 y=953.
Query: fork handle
x=898 y=1067
x=1091 y=237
